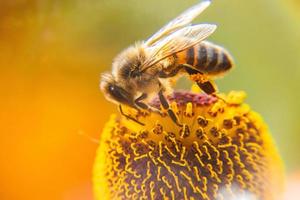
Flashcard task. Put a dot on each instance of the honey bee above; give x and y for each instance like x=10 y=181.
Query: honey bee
x=148 y=67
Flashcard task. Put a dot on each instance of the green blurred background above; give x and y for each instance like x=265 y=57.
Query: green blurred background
x=53 y=51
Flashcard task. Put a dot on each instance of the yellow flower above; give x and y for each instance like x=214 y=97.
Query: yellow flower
x=223 y=151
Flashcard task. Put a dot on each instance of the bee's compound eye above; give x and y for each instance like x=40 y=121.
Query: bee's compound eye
x=111 y=88
x=119 y=94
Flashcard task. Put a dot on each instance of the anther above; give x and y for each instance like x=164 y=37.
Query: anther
x=236 y=97
x=237 y=120
x=217 y=107
x=158 y=129
x=239 y=130
x=200 y=133
x=228 y=123
x=174 y=107
x=185 y=131
x=214 y=131
x=151 y=143
x=169 y=136
x=189 y=110
x=143 y=134
x=202 y=121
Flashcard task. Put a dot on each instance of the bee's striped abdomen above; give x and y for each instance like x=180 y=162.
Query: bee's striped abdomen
x=212 y=59
x=190 y=55
x=201 y=58
x=226 y=62
x=208 y=58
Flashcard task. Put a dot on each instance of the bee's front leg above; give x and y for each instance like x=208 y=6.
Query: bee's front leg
x=166 y=106
x=173 y=73
x=129 y=117
x=145 y=106
x=139 y=103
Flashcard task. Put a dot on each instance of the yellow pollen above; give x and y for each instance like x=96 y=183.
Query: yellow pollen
x=189 y=109
x=174 y=107
x=236 y=97
x=223 y=151
x=198 y=78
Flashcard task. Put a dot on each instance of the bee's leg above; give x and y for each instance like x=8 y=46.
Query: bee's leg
x=145 y=106
x=208 y=87
x=166 y=106
x=174 y=72
x=129 y=117
x=139 y=103
x=204 y=83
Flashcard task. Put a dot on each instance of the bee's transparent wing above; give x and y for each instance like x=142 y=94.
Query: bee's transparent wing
x=176 y=42
x=179 y=22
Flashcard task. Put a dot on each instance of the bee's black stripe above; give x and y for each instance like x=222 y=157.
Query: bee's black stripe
x=190 y=56
x=225 y=63
x=213 y=60
x=202 y=56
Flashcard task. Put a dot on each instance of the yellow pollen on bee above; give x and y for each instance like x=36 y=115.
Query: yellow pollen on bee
x=199 y=78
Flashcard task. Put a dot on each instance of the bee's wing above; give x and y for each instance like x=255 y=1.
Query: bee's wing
x=181 y=21
x=176 y=42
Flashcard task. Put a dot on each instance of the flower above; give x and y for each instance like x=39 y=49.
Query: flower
x=223 y=151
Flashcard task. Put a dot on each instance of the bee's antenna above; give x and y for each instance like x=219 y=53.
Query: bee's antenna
x=129 y=117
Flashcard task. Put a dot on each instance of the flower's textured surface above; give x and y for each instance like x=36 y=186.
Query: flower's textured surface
x=223 y=151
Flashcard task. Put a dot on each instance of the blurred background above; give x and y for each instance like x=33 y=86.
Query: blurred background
x=52 y=53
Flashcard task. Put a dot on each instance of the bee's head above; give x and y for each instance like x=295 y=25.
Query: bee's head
x=114 y=91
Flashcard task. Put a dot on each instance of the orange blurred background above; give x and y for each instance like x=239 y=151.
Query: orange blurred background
x=51 y=55
x=49 y=97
